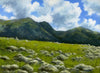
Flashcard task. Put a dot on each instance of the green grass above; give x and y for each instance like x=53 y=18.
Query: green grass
x=49 y=46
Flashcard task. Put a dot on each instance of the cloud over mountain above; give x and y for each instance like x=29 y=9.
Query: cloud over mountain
x=61 y=14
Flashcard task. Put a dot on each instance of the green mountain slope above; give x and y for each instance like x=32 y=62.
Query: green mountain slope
x=25 y=29
x=29 y=29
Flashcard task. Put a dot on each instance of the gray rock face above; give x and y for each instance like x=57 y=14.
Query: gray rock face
x=10 y=67
x=28 y=68
x=84 y=67
x=48 y=68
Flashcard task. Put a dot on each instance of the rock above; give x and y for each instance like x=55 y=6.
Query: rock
x=60 y=67
x=28 y=68
x=60 y=51
x=66 y=54
x=84 y=67
x=48 y=68
x=62 y=57
x=57 y=62
x=98 y=67
x=76 y=58
x=32 y=52
x=4 y=58
x=12 y=48
x=46 y=53
x=52 y=53
x=21 y=71
x=65 y=71
x=10 y=67
x=20 y=58
x=22 y=49
x=34 y=62
x=43 y=72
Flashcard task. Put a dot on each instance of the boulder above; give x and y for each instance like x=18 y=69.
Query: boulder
x=57 y=62
x=10 y=67
x=48 y=68
x=34 y=62
x=65 y=71
x=62 y=57
x=4 y=58
x=28 y=68
x=21 y=71
x=22 y=49
x=12 y=48
x=43 y=72
x=84 y=67
x=60 y=67
x=20 y=58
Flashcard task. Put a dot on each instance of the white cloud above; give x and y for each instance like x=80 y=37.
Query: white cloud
x=3 y=17
x=91 y=24
x=92 y=6
x=62 y=14
x=97 y=28
x=42 y=18
x=20 y=8
x=67 y=15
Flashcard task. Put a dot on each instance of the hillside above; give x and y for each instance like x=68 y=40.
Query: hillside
x=24 y=56
x=29 y=29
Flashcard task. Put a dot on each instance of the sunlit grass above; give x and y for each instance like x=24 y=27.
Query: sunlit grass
x=49 y=46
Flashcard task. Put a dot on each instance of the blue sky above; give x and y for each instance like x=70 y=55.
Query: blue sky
x=61 y=14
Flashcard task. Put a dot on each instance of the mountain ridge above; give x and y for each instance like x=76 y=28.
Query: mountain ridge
x=27 y=28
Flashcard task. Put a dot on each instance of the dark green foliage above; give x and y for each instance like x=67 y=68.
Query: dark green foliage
x=31 y=30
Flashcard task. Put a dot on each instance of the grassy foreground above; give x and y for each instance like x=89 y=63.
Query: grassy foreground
x=76 y=49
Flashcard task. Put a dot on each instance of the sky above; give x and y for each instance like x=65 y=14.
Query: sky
x=60 y=14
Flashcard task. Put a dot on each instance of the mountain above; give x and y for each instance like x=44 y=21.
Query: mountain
x=81 y=35
x=29 y=29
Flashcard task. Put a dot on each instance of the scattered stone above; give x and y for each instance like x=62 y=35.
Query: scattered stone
x=10 y=67
x=34 y=62
x=46 y=53
x=12 y=48
x=28 y=68
x=22 y=49
x=57 y=62
x=4 y=58
x=77 y=58
x=48 y=68
x=32 y=52
x=43 y=72
x=65 y=71
x=97 y=66
x=60 y=67
x=20 y=58
x=62 y=57
x=84 y=67
x=21 y=71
